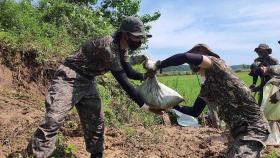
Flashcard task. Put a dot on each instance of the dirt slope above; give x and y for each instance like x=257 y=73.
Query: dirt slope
x=22 y=108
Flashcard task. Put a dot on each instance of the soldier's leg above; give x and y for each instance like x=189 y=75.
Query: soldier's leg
x=245 y=149
x=260 y=97
x=58 y=103
x=92 y=120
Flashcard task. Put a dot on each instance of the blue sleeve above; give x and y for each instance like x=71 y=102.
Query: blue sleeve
x=195 y=110
x=179 y=59
x=131 y=73
x=121 y=77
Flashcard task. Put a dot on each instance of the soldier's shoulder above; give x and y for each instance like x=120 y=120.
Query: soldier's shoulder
x=102 y=41
x=272 y=58
x=258 y=59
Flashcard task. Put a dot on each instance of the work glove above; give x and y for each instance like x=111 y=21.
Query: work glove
x=151 y=65
x=275 y=97
x=155 y=111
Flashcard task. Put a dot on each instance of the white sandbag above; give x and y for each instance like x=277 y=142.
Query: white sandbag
x=271 y=111
x=274 y=136
x=157 y=95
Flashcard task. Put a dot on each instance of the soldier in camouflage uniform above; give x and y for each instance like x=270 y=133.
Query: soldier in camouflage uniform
x=74 y=84
x=264 y=58
x=272 y=72
x=224 y=90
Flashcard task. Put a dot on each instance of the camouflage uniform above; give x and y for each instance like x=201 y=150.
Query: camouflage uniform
x=273 y=71
x=266 y=60
x=74 y=84
x=237 y=107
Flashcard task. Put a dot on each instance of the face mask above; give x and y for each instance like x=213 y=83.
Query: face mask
x=194 y=68
x=133 y=45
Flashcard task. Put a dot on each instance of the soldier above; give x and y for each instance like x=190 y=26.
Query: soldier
x=269 y=72
x=263 y=52
x=74 y=84
x=223 y=89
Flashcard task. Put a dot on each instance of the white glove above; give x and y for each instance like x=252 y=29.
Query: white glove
x=150 y=65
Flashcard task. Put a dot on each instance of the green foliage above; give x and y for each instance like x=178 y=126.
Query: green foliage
x=272 y=154
x=22 y=27
x=80 y=22
x=62 y=149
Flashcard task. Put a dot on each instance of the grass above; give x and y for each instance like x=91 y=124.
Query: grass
x=188 y=85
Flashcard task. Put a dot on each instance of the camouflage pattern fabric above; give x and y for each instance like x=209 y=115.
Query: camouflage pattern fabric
x=236 y=105
x=96 y=57
x=69 y=88
x=244 y=149
x=74 y=84
x=267 y=60
x=274 y=71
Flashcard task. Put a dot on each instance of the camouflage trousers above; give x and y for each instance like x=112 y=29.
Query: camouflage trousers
x=245 y=149
x=68 y=88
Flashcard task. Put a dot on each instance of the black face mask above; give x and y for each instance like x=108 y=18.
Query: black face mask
x=133 y=45
x=194 y=68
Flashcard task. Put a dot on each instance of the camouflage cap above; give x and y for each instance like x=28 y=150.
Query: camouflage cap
x=196 y=48
x=134 y=26
x=263 y=47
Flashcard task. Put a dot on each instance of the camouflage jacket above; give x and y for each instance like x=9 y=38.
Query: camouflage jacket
x=274 y=71
x=267 y=60
x=233 y=99
x=96 y=57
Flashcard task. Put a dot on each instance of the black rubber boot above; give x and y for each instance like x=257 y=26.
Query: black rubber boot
x=97 y=155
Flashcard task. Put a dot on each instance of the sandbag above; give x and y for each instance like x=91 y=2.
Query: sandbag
x=274 y=136
x=271 y=111
x=157 y=95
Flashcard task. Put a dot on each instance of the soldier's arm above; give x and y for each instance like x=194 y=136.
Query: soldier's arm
x=259 y=87
x=255 y=79
x=122 y=79
x=179 y=59
x=131 y=73
x=195 y=110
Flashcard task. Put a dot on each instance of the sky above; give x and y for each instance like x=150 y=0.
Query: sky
x=232 y=29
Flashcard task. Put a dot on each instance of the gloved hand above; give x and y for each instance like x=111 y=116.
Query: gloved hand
x=252 y=86
x=275 y=97
x=155 y=111
x=151 y=65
